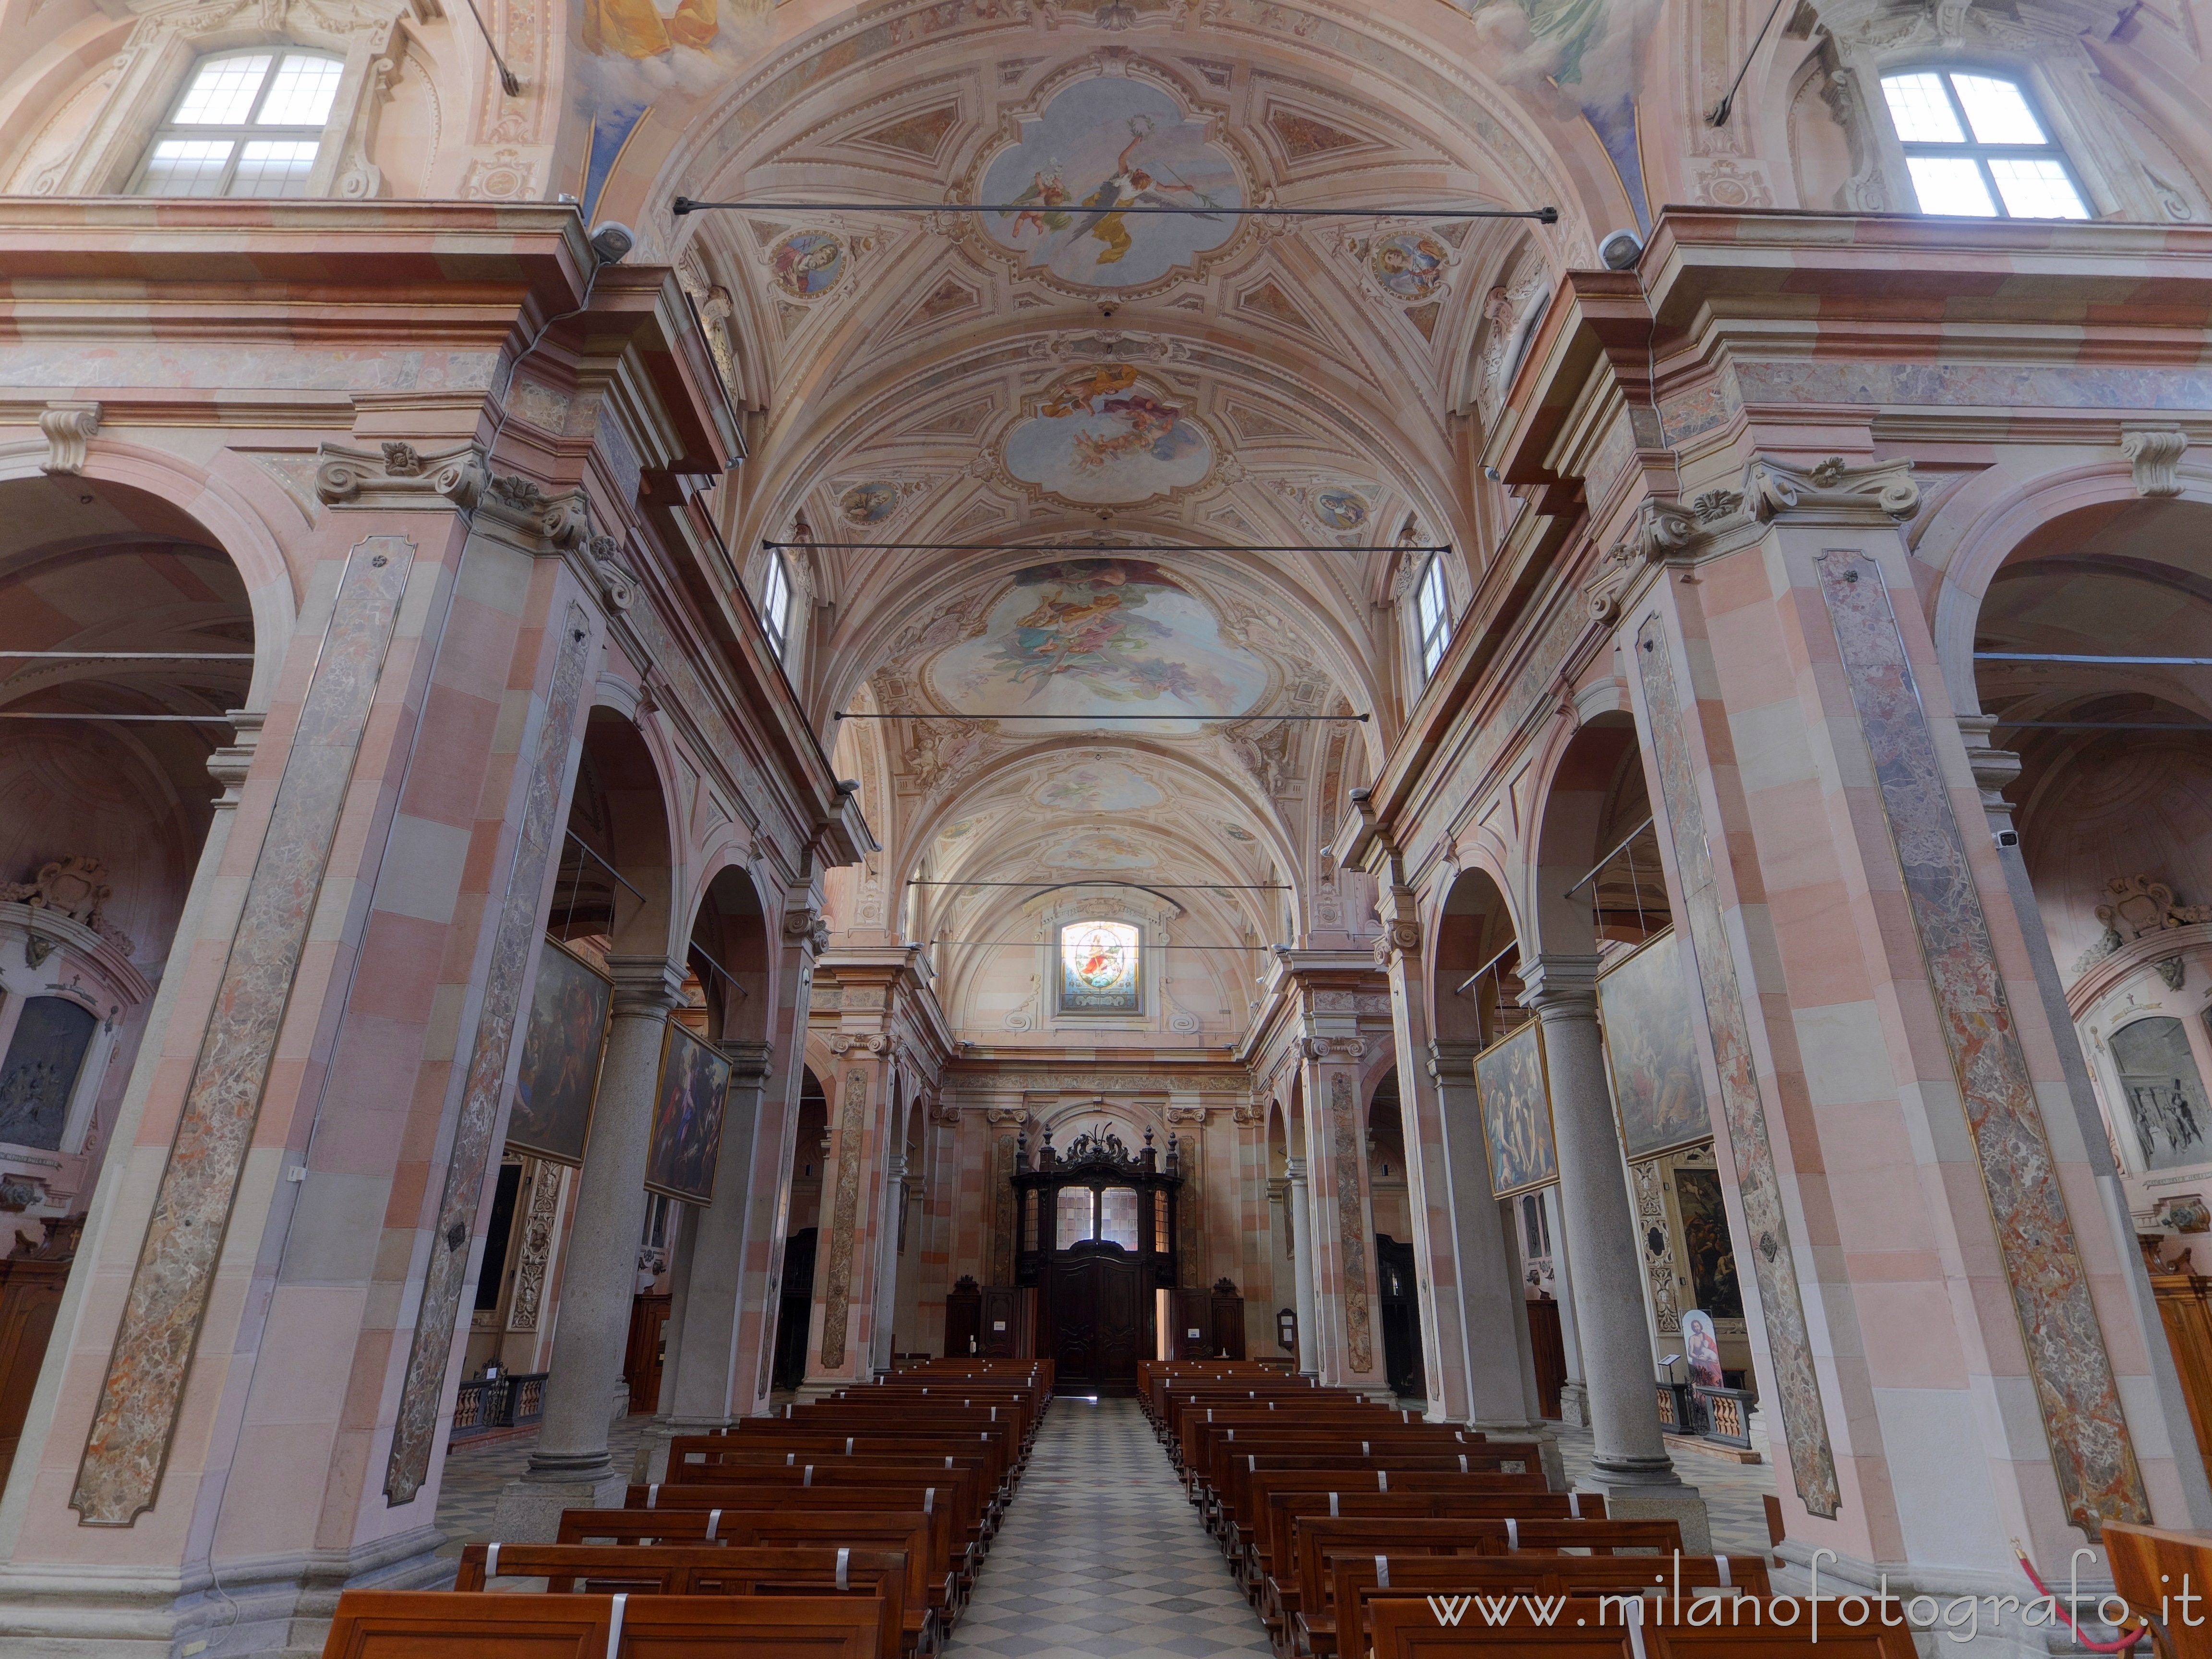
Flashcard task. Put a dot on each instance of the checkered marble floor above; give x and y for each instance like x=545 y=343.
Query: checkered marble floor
x=1101 y=1556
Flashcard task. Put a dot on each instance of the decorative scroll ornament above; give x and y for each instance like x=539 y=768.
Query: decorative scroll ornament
x=806 y=929
x=400 y=476
x=2154 y=454
x=68 y=428
x=2138 y=905
x=1774 y=487
x=615 y=582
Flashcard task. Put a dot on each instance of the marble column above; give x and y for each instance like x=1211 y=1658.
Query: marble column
x=1501 y=1374
x=842 y=1350
x=700 y=1389
x=1349 y=1335
x=570 y=1468
x=1302 y=1264
x=887 y=1257
x=1628 y=1461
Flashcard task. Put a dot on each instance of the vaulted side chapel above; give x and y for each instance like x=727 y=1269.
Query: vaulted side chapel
x=1502 y=710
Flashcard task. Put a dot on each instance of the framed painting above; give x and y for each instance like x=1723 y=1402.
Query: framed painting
x=1509 y=1080
x=1651 y=1049
x=561 y=1050
x=688 y=1101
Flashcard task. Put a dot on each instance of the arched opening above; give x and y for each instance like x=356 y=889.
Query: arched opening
x=1398 y=1293
x=809 y=1158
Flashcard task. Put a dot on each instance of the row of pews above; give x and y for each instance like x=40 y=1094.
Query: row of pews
x=850 y=1527
x=1357 y=1527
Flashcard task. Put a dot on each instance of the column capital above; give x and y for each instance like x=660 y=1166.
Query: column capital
x=750 y=1062
x=1294 y=1171
x=1446 y=1057
x=1560 y=985
x=646 y=988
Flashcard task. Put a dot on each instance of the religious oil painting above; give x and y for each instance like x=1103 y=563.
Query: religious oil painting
x=1516 y=1112
x=40 y=1073
x=1340 y=509
x=1085 y=637
x=1706 y=1240
x=1102 y=145
x=807 y=263
x=1410 y=265
x=560 y=1057
x=1100 y=849
x=687 y=1118
x=2164 y=1091
x=1652 y=1049
x=869 y=503
x=1701 y=1347
x=1100 y=786
x=1101 y=436
x=1099 y=968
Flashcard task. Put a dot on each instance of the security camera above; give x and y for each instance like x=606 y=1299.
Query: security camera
x=2008 y=837
x=1621 y=250
x=611 y=241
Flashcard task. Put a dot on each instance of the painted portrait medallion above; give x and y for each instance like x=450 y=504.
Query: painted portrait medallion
x=1340 y=509
x=807 y=264
x=1410 y=264
x=869 y=503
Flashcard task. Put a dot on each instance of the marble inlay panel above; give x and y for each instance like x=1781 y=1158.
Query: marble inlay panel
x=128 y=1445
x=1796 y=1388
x=844 y=1217
x=1351 y=1224
x=415 y=1435
x=2095 y=1462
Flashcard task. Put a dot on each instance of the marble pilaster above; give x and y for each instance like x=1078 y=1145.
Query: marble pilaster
x=1299 y=1198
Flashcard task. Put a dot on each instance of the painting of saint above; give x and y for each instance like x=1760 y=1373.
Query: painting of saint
x=1099 y=968
x=1340 y=509
x=1099 y=437
x=1100 y=849
x=1651 y=1049
x=686 y=1142
x=1516 y=1112
x=639 y=28
x=1082 y=637
x=1706 y=1240
x=560 y=1072
x=1104 y=787
x=868 y=503
x=807 y=263
x=1701 y=1346
x=1101 y=146
x=1410 y=265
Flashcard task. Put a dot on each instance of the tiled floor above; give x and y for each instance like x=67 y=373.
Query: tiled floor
x=1732 y=1491
x=1100 y=1556
x=474 y=1476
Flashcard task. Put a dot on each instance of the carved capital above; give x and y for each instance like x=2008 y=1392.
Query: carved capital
x=1775 y=488
x=1560 y=986
x=2153 y=452
x=618 y=587
x=806 y=928
x=646 y=988
x=1342 y=1048
x=400 y=476
x=1996 y=767
x=874 y=1042
x=68 y=428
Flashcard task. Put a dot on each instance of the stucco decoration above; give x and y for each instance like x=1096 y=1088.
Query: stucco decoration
x=128 y=1444
x=1346 y=1155
x=2075 y=1388
x=514 y=950
x=1795 y=1385
x=837 y=1287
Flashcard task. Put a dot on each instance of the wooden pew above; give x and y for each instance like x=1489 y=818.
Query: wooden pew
x=1276 y=1536
x=452 y=1624
x=2151 y=1566
x=1357 y=1580
x=1411 y=1630
x=947 y=1549
x=715 y=1569
x=1240 y=1501
x=706 y=1459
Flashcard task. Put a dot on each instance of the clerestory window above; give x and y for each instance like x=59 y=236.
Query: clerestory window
x=776 y=603
x=1432 y=615
x=250 y=122
x=1974 y=145
x=1100 y=969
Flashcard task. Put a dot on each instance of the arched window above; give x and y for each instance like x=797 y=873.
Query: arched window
x=1975 y=145
x=776 y=603
x=248 y=122
x=1432 y=615
x=1101 y=968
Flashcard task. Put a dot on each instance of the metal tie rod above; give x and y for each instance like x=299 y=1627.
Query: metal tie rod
x=2094 y=725
x=1093 y=719
x=1543 y=216
x=1145 y=886
x=122 y=720
x=137 y=656
x=1088 y=549
x=2138 y=662
x=1047 y=944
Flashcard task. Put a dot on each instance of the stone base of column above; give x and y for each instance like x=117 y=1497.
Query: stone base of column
x=280 y=1605
x=1541 y=1432
x=821 y=1388
x=1574 y=1404
x=1977 y=1631
x=652 y=1464
x=529 y=1510
x=1628 y=1498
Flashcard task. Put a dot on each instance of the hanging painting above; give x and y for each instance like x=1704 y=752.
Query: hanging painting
x=561 y=1049
x=1099 y=969
x=2159 y=1078
x=1105 y=143
x=1101 y=436
x=1516 y=1111
x=1701 y=1347
x=40 y=1073
x=1652 y=1049
x=1084 y=637
x=687 y=1103
x=1706 y=1242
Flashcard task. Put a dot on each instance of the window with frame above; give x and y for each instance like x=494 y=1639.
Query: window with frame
x=1976 y=146
x=1101 y=968
x=249 y=123
x=776 y=603
x=1432 y=615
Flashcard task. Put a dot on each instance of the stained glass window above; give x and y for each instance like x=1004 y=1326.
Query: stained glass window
x=1099 y=965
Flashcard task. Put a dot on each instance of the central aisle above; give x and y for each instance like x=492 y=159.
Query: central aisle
x=1100 y=1555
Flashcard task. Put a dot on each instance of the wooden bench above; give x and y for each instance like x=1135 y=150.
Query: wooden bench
x=1240 y=1503
x=1412 y=1630
x=452 y=1625
x=1276 y=1536
x=946 y=1549
x=665 y=1569
x=928 y=1585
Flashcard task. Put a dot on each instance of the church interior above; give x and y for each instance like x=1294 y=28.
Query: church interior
x=1031 y=829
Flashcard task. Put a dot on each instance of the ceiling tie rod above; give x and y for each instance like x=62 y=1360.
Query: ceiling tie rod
x=1543 y=216
x=1089 y=549
x=1093 y=719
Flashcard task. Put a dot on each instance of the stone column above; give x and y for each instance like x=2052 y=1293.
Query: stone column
x=701 y=1389
x=570 y=1468
x=1350 y=1334
x=1628 y=1461
x=1501 y=1376
x=1302 y=1265
x=841 y=1348
x=885 y=1300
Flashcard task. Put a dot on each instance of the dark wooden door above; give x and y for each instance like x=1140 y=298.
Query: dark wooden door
x=1549 y=1351
x=647 y=1350
x=1097 y=1323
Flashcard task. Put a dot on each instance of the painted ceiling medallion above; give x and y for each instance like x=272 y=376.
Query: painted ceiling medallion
x=1338 y=508
x=1098 y=786
x=1084 y=637
x=807 y=264
x=1410 y=264
x=874 y=500
x=1107 y=143
x=1101 y=436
